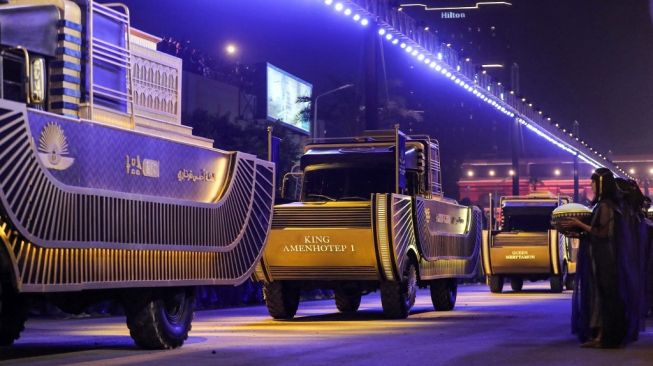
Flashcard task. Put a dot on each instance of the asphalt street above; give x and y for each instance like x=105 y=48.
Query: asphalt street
x=527 y=328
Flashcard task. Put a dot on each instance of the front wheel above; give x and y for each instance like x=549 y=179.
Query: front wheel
x=13 y=314
x=281 y=299
x=444 y=293
x=161 y=318
x=516 y=283
x=398 y=297
x=496 y=284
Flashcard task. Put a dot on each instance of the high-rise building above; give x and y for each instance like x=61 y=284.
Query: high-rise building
x=479 y=30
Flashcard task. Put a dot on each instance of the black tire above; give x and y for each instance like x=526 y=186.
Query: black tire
x=516 y=283
x=13 y=314
x=556 y=283
x=161 y=318
x=398 y=297
x=444 y=293
x=281 y=299
x=569 y=282
x=496 y=284
x=347 y=300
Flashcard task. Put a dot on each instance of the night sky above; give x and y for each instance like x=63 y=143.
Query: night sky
x=589 y=61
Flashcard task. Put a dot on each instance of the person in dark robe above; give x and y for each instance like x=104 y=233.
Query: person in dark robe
x=634 y=256
x=606 y=307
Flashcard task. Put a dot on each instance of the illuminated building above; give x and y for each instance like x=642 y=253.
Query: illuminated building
x=482 y=177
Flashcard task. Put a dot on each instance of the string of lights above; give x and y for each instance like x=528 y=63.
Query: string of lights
x=491 y=93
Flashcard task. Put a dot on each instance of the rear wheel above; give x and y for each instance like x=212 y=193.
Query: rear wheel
x=13 y=314
x=516 y=284
x=496 y=284
x=569 y=282
x=281 y=299
x=556 y=283
x=398 y=297
x=161 y=318
x=347 y=300
x=444 y=293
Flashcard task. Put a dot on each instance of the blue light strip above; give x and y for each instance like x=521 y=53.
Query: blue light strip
x=437 y=63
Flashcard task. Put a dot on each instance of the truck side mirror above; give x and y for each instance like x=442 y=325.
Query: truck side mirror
x=291 y=186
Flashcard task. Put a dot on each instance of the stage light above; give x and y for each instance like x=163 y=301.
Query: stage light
x=339 y=7
x=357 y=17
x=470 y=173
x=381 y=31
x=328 y=2
x=365 y=22
x=347 y=12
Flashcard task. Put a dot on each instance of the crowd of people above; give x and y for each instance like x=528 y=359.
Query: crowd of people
x=224 y=69
x=610 y=300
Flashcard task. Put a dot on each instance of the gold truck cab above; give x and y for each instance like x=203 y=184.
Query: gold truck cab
x=371 y=216
x=526 y=247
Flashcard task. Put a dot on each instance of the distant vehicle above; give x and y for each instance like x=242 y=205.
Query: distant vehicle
x=526 y=246
x=371 y=215
x=104 y=194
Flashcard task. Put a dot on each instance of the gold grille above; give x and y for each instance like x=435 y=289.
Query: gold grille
x=521 y=239
x=317 y=216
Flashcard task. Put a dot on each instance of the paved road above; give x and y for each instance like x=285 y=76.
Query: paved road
x=529 y=328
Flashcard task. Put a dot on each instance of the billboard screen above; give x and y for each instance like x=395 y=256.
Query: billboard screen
x=283 y=90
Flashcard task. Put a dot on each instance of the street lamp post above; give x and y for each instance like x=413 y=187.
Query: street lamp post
x=576 y=129
x=315 y=105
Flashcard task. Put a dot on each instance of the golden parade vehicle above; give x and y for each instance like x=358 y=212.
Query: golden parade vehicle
x=103 y=192
x=371 y=216
x=526 y=246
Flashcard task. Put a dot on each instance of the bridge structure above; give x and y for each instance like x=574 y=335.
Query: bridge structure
x=401 y=30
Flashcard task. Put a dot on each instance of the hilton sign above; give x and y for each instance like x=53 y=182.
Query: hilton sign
x=452 y=15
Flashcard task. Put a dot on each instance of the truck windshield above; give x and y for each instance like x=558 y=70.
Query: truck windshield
x=527 y=218
x=346 y=183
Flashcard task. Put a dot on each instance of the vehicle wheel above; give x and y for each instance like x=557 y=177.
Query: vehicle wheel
x=443 y=294
x=397 y=297
x=13 y=314
x=281 y=299
x=556 y=283
x=516 y=284
x=496 y=284
x=347 y=300
x=569 y=282
x=161 y=318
